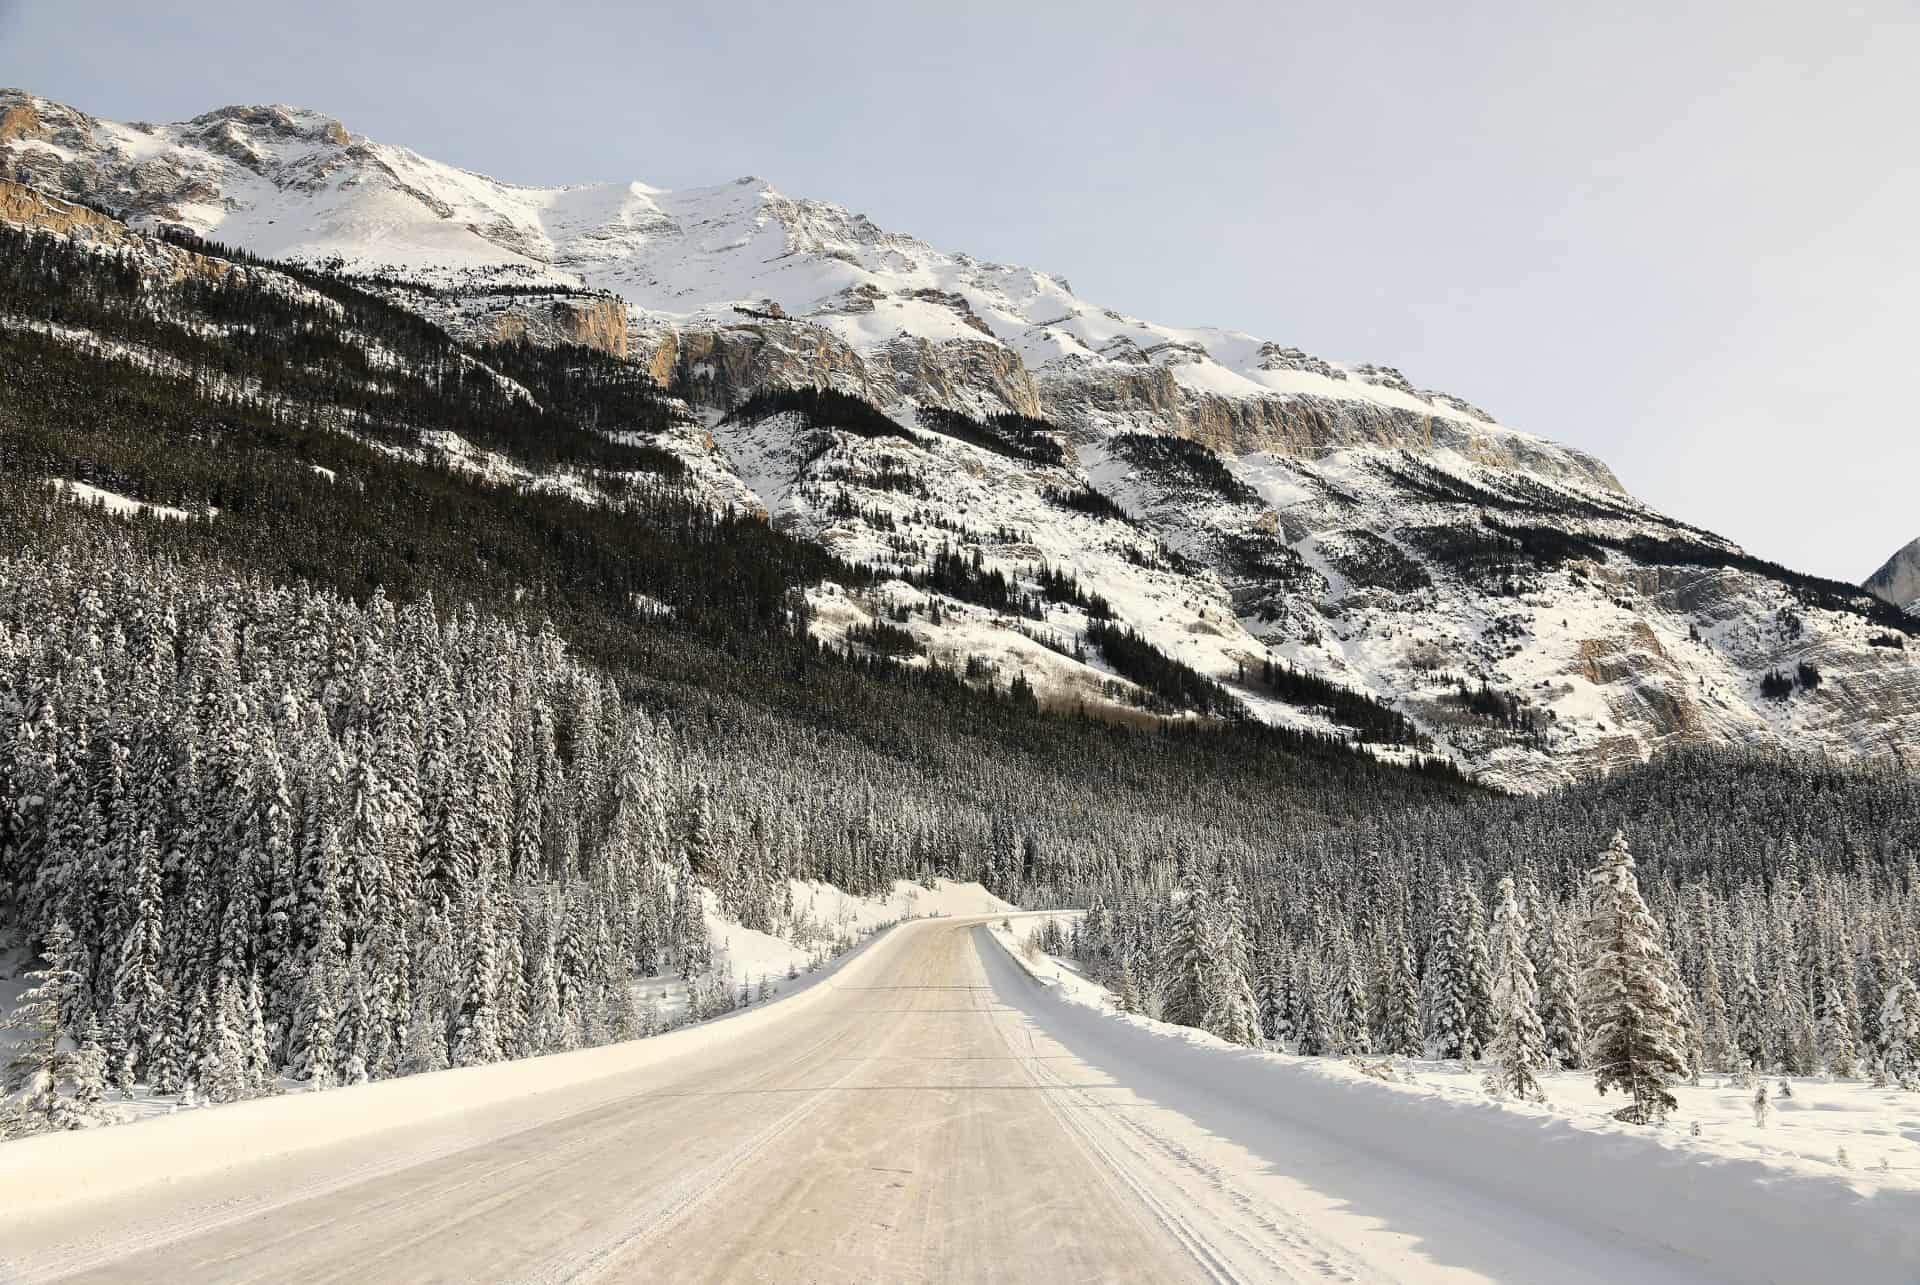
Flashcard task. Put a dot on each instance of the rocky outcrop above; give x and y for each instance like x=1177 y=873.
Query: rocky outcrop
x=20 y=120
x=722 y=366
x=590 y=322
x=1149 y=398
x=959 y=375
x=24 y=205
x=1898 y=582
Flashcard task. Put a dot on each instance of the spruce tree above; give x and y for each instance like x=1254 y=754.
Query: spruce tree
x=1564 y=1033
x=1635 y=1042
x=1899 y=1031
x=1449 y=989
x=1190 y=986
x=1232 y=1013
x=46 y=1056
x=1518 y=1049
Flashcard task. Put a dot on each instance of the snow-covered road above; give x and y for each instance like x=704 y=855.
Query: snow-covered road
x=928 y=1113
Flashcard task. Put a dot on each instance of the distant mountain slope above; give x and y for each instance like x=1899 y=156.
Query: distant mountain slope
x=1053 y=495
x=1898 y=581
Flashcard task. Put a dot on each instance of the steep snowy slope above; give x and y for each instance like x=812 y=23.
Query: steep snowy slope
x=1253 y=512
x=885 y=315
x=1898 y=582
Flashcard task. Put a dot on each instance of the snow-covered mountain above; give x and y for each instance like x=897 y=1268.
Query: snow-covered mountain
x=1498 y=589
x=1898 y=580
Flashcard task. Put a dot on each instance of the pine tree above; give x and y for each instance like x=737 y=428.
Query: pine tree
x=1564 y=1033
x=476 y=1038
x=1190 y=982
x=692 y=950
x=1716 y=1033
x=1477 y=977
x=1400 y=1034
x=139 y=996
x=223 y=1068
x=90 y=1068
x=317 y=1019
x=1751 y=1024
x=1449 y=1015
x=1232 y=1012
x=1839 y=1024
x=1635 y=1042
x=261 y=1069
x=1518 y=1049
x=1129 y=993
x=45 y=1052
x=1899 y=1031
x=167 y=1055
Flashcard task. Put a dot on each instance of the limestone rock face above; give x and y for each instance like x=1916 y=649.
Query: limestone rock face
x=20 y=120
x=29 y=207
x=958 y=374
x=722 y=366
x=590 y=322
x=25 y=205
x=1898 y=582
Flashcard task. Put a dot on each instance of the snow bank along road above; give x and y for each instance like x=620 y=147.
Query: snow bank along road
x=928 y=1112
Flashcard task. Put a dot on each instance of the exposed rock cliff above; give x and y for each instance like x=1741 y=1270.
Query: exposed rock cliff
x=1898 y=582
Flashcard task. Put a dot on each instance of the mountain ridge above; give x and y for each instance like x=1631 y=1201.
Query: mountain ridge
x=238 y=174
x=1331 y=528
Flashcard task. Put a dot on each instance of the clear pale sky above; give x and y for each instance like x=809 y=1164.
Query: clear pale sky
x=1681 y=235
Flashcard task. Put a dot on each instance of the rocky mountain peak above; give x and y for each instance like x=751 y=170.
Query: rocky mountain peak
x=276 y=121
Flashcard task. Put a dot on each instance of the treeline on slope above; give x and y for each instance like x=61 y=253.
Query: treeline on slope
x=372 y=520
x=1173 y=685
x=1017 y=437
x=264 y=832
x=1372 y=721
x=260 y=832
x=956 y=575
x=1087 y=500
x=383 y=372
x=1183 y=463
x=158 y=691
x=821 y=408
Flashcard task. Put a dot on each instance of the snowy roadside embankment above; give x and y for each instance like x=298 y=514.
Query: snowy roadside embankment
x=1730 y=1216
x=58 y=1171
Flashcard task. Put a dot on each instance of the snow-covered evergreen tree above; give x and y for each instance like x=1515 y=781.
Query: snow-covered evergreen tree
x=1187 y=997
x=1563 y=1030
x=1518 y=1050
x=46 y=1056
x=1635 y=1042
x=1232 y=1013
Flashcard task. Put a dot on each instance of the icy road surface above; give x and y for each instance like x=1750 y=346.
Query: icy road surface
x=923 y=1115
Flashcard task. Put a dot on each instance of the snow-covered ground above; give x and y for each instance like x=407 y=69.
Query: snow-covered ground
x=1812 y=1127
x=113 y=502
x=826 y=924
x=930 y=1110
x=1737 y=1200
x=827 y=921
